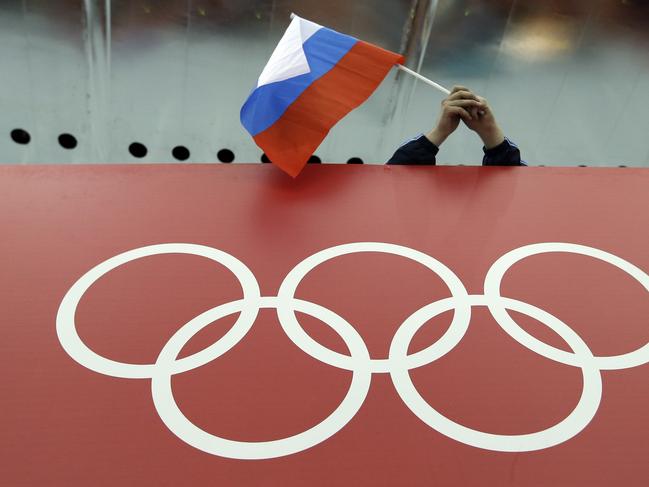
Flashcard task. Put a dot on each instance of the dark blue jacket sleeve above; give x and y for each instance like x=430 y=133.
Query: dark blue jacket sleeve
x=422 y=152
x=418 y=152
x=506 y=154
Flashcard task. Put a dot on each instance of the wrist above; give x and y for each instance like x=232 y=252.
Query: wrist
x=437 y=136
x=492 y=137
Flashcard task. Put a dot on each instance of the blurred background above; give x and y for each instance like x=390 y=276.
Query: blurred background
x=129 y=81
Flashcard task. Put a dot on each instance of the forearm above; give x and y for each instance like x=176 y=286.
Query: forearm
x=492 y=137
x=437 y=137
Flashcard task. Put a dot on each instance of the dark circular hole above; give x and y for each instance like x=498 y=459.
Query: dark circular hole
x=20 y=136
x=314 y=160
x=583 y=165
x=622 y=165
x=355 y=160
x=67 y=141
x=265 y=159
x=225 y=155
x=138 y=150
x=181 y=153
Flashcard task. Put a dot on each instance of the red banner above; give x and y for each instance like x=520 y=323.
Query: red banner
x=366 y=326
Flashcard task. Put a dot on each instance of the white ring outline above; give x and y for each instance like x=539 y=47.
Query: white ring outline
x=79 y=351
x=566 y=429
x=493 y=281
x=296 y=333
x=191 y=434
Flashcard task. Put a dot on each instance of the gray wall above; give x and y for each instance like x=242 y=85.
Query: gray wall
x=569 y=80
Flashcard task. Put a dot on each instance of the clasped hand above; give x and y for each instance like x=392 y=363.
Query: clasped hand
x=463 y=105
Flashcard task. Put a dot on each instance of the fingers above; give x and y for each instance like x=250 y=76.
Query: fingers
x=462 y=95
x=485 y=104
x=465 y=103
x=473 y=107
x=460 y=112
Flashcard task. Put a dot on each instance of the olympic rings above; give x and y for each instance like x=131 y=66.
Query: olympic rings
x=397 y=364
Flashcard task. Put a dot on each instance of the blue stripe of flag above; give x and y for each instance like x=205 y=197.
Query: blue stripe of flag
x=267 y=104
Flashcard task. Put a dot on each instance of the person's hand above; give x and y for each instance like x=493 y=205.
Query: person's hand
x=485 y=125
x=461 y=104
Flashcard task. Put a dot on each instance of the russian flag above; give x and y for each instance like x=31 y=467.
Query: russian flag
x=315 y=77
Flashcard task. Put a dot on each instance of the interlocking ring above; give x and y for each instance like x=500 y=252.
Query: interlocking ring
x=296 y=333
x=492 y=290
x=398 y=363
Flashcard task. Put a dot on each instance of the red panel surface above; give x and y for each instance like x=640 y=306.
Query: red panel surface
x=63 y=424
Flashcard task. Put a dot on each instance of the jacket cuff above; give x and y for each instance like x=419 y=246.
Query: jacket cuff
x=499 y=149
x=427 y=145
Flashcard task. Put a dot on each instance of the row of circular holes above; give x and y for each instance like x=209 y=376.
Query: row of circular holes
x=138 y=150
x=181 y=153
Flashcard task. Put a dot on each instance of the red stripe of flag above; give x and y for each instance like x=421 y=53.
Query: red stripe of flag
x=291 y=141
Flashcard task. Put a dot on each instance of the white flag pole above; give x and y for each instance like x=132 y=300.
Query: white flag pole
x=424 y=79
